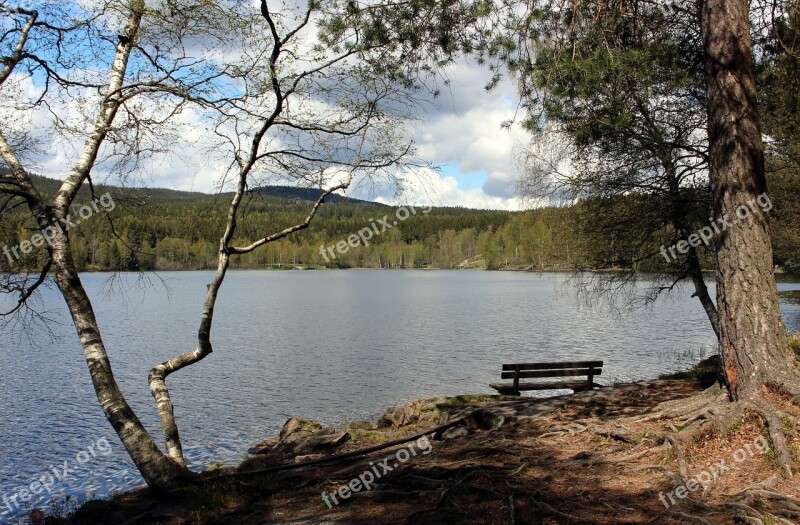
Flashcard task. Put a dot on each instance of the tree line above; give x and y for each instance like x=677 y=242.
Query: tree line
x=163 y=230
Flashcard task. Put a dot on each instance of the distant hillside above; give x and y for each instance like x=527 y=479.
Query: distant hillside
x=308 y=194
x=156 y=228
x=163 y=229
x=286 y=193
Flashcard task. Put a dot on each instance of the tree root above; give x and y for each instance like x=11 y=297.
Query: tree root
x=689 y=517
x=773 y=417
x=463 y=481
x=566 y=518
x=767 y=484
x=680 y=456
x=678 y=409
x=710 y=410
x=629 y=457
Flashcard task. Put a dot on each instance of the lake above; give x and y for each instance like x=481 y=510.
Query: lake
x=327 y=345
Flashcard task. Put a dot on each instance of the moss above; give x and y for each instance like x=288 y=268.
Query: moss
x=371 y=435
x=207 y=499
x=250 y=463
x=460 y=401
x=306 y=424
x=707 y=371
x=771 y=454
x=794 y=343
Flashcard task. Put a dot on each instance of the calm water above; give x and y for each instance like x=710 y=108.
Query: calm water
x=331 y=346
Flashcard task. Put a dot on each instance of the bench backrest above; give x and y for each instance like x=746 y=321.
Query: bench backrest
x=563 y=369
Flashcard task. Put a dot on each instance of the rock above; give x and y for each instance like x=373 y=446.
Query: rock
x=301 y=436
x=360 y=425
x=428 y=419
x=308 y=457
x=399 y=417
x=319 y=441
x=392 y=418
x=297 y=425
x=452 y=433
x=487 y=420
x=37 y=516
x=264 y=446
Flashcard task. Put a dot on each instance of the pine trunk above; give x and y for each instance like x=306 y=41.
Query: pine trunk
x=753 y=343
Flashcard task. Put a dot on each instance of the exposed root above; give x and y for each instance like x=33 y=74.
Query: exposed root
x=681 y=457
x=613 y=435
x=468 y=474
x=773 y=418
x=547 y=509
x=629 y=457
x=679 y=408
x=767 y=484
x=776 y=506
x=711 y=411
x=690 y=517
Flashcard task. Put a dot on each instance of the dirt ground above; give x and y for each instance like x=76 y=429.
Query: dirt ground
x=593 y=457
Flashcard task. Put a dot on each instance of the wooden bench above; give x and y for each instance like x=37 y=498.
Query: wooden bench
x=540 y=370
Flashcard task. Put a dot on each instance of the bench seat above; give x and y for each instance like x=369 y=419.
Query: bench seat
x=508 y=388
x=572 y=369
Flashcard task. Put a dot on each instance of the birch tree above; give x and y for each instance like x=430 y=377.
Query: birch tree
x=316 y=95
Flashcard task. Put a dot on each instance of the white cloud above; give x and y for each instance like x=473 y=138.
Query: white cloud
x=466 y=132
x=462 y=130
x=426 y=187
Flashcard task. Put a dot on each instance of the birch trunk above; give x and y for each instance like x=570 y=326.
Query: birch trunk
x=159 y=471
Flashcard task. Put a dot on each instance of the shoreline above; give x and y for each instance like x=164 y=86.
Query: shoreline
x=777 y=271
x=582 y=458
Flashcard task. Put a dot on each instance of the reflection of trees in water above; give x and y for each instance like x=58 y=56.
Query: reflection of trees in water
x=790 y=302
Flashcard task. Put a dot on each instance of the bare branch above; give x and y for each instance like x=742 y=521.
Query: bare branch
x=292 y=229
x=27 y=292
x=18 y=55
x=69 y=188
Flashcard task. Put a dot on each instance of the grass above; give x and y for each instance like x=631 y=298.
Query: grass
x=460 y=401
x=207 y=499
x=705 y=368
x=368 y=435
x=794 y=343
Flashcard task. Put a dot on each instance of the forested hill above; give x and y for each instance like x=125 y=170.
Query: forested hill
x=173 y=230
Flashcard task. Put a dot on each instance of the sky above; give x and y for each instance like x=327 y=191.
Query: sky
x=460 y=133
x=464 y=137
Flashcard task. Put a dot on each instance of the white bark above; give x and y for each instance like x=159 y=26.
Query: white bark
x=158 y=470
